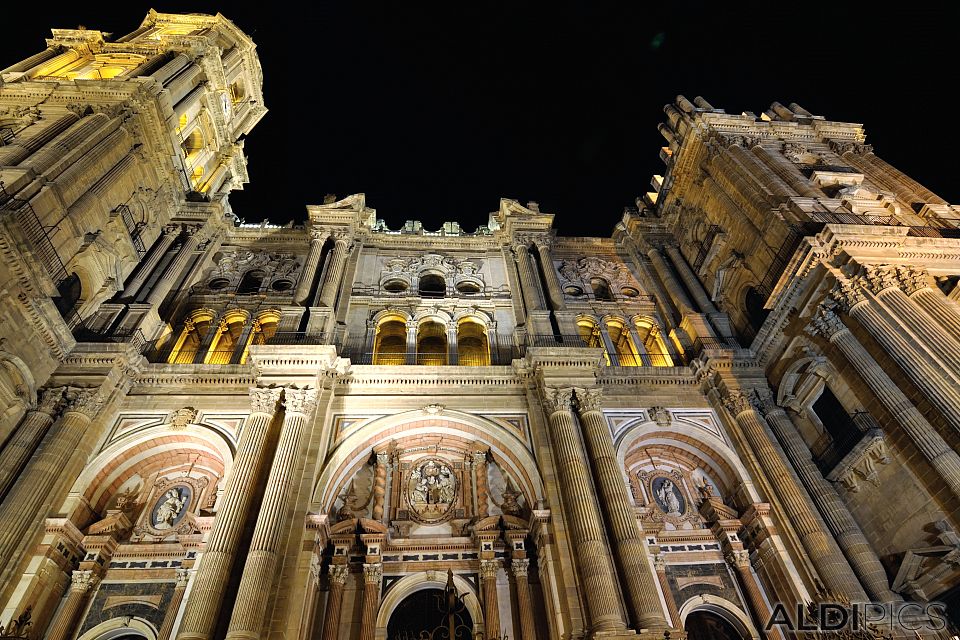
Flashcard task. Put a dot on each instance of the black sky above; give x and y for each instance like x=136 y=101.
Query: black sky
x=435 y=111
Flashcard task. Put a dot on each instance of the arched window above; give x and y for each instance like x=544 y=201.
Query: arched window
x=192 y=145
x=432 y=343
x=432 y=285
x=390 y=341
x=652 y=339
x=188 y=343
x=627 y=354
x=225 y=342
x=601 y=289
x=472 y=347
x=251 y=282
x=264 y=328
x=589 y=332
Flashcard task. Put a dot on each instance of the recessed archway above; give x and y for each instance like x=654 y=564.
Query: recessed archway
x=423 y=612
x=427 y=581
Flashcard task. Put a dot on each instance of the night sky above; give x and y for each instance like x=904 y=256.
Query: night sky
x=437 y=111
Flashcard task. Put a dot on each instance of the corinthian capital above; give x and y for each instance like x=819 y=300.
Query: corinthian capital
x=264 y=400
x=765 y=402
x=848 y=293
x=880 y=277
x=84 y=581
x=826 y=323
x=739 y=558
x=372 y=573
x=558 y=399
x=319 y=233
x=49 y=401
x=589 y=400
x=338 y=573
x=739 y=401
x=913 y=279
x=84 y=401
x=520 y=567
x=488 y=569
x=300 y=400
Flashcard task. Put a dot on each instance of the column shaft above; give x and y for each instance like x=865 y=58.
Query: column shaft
x=331 y=619
x=331 y=283
x=673 y=287
x=183 y=576
x=748 y=582
x=260 y=568
x=491 y=607
x=67 y=621
x=942 y=309
x=690 y=279
x=583 y=514
x=147 y=266
x=309 y=272
x=934 y=338
x=530 y=287
x=528 y=628
x=661 y=570
x=169 y=277
x=372 y=574
x=25 y=439
x=550 y=276
x=480 y=477
x=629 y=546
x=210 y=583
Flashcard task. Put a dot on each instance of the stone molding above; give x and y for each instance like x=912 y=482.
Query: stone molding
x=300 y=400
x=264 y=400
x=861 y=463
x=84 y=401
x=338 y=573
x=557 y=400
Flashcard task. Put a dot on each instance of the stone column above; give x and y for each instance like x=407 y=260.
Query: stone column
x=550 y=274
x=159 y=250
x=480 y=478
x=690 y=279
x=740 y=561
x=491 y=608
x=380 y=484
x=583 y=515
x=67 y=621
x=788 y=172
x=528 y=627
x=922 y=371
x=338 y=258
x=529 y=286
x=169 y=277
x=260 y=568
x=673 y=287
x=940 y=308
x=310 y=607
x=411 y=357
x=372 y=575
x=933 y=447
x=28 y=435
x=844 y=528
x=820 y=547
x=318 y=237
x=30 y=141
x=628 y=544
x=203 y=605
x=31 y=489
x=331 y=620
x=660 y=567
x=183 y=577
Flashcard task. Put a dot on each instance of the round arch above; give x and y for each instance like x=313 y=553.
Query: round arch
x=354 y=450
x=408 y=585
x=390 y=313
x=17 y=365
x=432 y=315
x=116 y=627
x=724 y=609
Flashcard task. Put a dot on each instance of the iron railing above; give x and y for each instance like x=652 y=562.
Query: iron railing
x=37 y=235
x=163 y=350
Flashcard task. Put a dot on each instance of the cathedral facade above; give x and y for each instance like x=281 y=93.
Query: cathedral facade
x=747 y=396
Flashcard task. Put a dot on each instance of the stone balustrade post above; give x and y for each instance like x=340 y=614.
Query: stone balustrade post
x=216 y=564
x=318 y=237
x=160 y=248
x=660 y=568
x=28 y=435
x=820 y=547
x=844 y=528
x=372 y=576
x=338 y=259
x=183 y=577
x=583 y=515
x=171 y=274
x=945 y=460
x=260 y=568
x=491 y=606
x=331 y=619
x=528 y=627
x=629 y=547
x=68 y=619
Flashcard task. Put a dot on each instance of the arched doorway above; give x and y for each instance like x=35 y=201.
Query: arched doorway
x=424 y=611
x=706 y=625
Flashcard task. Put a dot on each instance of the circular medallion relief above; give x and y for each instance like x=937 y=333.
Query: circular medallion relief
x=431 y=490
x=170 y=508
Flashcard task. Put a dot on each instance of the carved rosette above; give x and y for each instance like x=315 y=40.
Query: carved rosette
x=739 y=401
x=880 y=277
x=264 y=400
x=50 y=400
x=912 y=279
x=83 y=401
x=520 y=567
x=372 y=573
x=557 y=400
x=338 y=574
x=82 y=581
x=300 y=400
x=589 y=400
x=488 y=569
x=826 y=323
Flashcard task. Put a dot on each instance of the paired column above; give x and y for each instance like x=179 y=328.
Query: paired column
x=67 y=622
x=924 y=370
x=28 y=435
x=820 y=547
x=529 y=285
x=169 y=277
x=260 y=568
x=32 y=488
x=660 y=567
x=629 y=546
x=940 y=308
x=674 y=289
x=520 y=568
x=338 y=259
x=160 y=248
x=739 y=559
x=491 y=607
x=550 y=274
x=331 y=620
x=210 y=583
x=372 y=575
x=583 y=514
x=183 y=577
x=933 y=447
x=309 y=272
x=848 y=535
x=690 y=279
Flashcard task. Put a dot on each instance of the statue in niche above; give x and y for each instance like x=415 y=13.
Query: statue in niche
x=169 y=508
x=668 y=498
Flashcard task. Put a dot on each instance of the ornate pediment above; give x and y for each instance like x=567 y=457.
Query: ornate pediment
x=579 y=273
